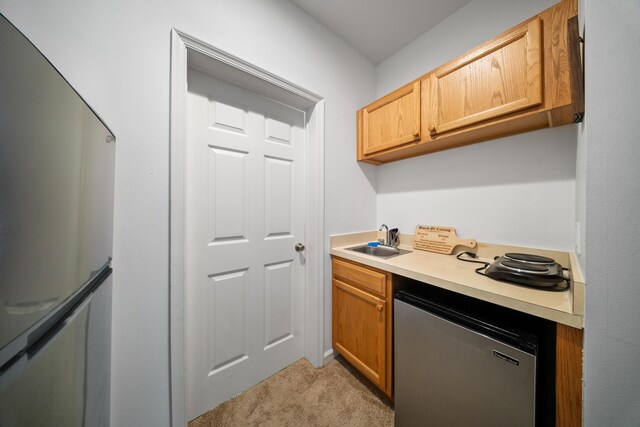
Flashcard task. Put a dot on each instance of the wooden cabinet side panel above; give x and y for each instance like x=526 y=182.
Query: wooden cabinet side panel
x=557 y=69
x=359 y=136
x=577 y=69
x=389 y=338
x=568 y=376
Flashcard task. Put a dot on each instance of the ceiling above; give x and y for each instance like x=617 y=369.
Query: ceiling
x=379 y=28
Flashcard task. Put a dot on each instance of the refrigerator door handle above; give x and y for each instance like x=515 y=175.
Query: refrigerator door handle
x=20 y=344
x=12 y=370
x=36 y=336
x=42 y=343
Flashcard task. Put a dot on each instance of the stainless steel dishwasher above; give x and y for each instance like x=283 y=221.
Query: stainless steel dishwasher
x=455 y=368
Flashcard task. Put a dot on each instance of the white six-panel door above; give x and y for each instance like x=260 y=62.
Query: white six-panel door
x=244 y=214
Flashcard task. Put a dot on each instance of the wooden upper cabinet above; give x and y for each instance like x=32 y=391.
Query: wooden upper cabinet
x=390 y=121
x=501 y=77
x=527 y=78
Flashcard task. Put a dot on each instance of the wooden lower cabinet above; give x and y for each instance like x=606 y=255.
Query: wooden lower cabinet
x=360 y=330
x=362 y=320
x=362 y=315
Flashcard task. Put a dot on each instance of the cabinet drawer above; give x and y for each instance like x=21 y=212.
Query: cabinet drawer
x=364 y=278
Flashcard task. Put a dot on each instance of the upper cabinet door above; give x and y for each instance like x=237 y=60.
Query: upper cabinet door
x=501 y=77
x=391 y=121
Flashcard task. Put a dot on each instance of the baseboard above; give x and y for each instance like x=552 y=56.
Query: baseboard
x=329 y=355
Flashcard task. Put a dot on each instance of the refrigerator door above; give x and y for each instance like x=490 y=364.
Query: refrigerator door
x=64 y=381
x=449 y=376
x=56 y=190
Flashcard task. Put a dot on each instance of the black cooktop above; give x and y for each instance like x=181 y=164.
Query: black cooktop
x=524 y=269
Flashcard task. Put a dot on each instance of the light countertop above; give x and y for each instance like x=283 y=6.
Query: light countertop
x=447 y=272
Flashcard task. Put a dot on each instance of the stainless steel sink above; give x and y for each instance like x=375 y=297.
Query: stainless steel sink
x=379 y=251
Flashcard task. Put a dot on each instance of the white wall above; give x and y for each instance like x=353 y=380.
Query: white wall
x=518 y=190
x=581 y=175
x=612 y=314
x=116 y=54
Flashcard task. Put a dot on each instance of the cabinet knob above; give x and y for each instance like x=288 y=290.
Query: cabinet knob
x=379 y=307
x=299 y=247
x=432 y=129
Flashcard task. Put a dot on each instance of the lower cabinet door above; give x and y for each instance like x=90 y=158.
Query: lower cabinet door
x=359 y=332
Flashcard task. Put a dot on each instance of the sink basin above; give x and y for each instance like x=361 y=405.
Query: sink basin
x=379 y=251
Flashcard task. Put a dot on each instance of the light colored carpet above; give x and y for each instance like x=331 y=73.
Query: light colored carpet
x=300 y=395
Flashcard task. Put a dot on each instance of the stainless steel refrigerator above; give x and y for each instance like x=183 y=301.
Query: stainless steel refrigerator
x=56 y=227
x=458 y=366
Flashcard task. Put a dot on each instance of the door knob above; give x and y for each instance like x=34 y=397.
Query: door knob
x=299 y=247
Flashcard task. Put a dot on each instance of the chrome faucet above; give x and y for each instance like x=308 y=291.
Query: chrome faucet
x=387 y=240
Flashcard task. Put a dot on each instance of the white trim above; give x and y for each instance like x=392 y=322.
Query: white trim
x=182 y=45
x=177 y=134
x=329 y=355
x=197 y=45
x=314 y=215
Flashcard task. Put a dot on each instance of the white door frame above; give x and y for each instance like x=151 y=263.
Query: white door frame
x=184 y=48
